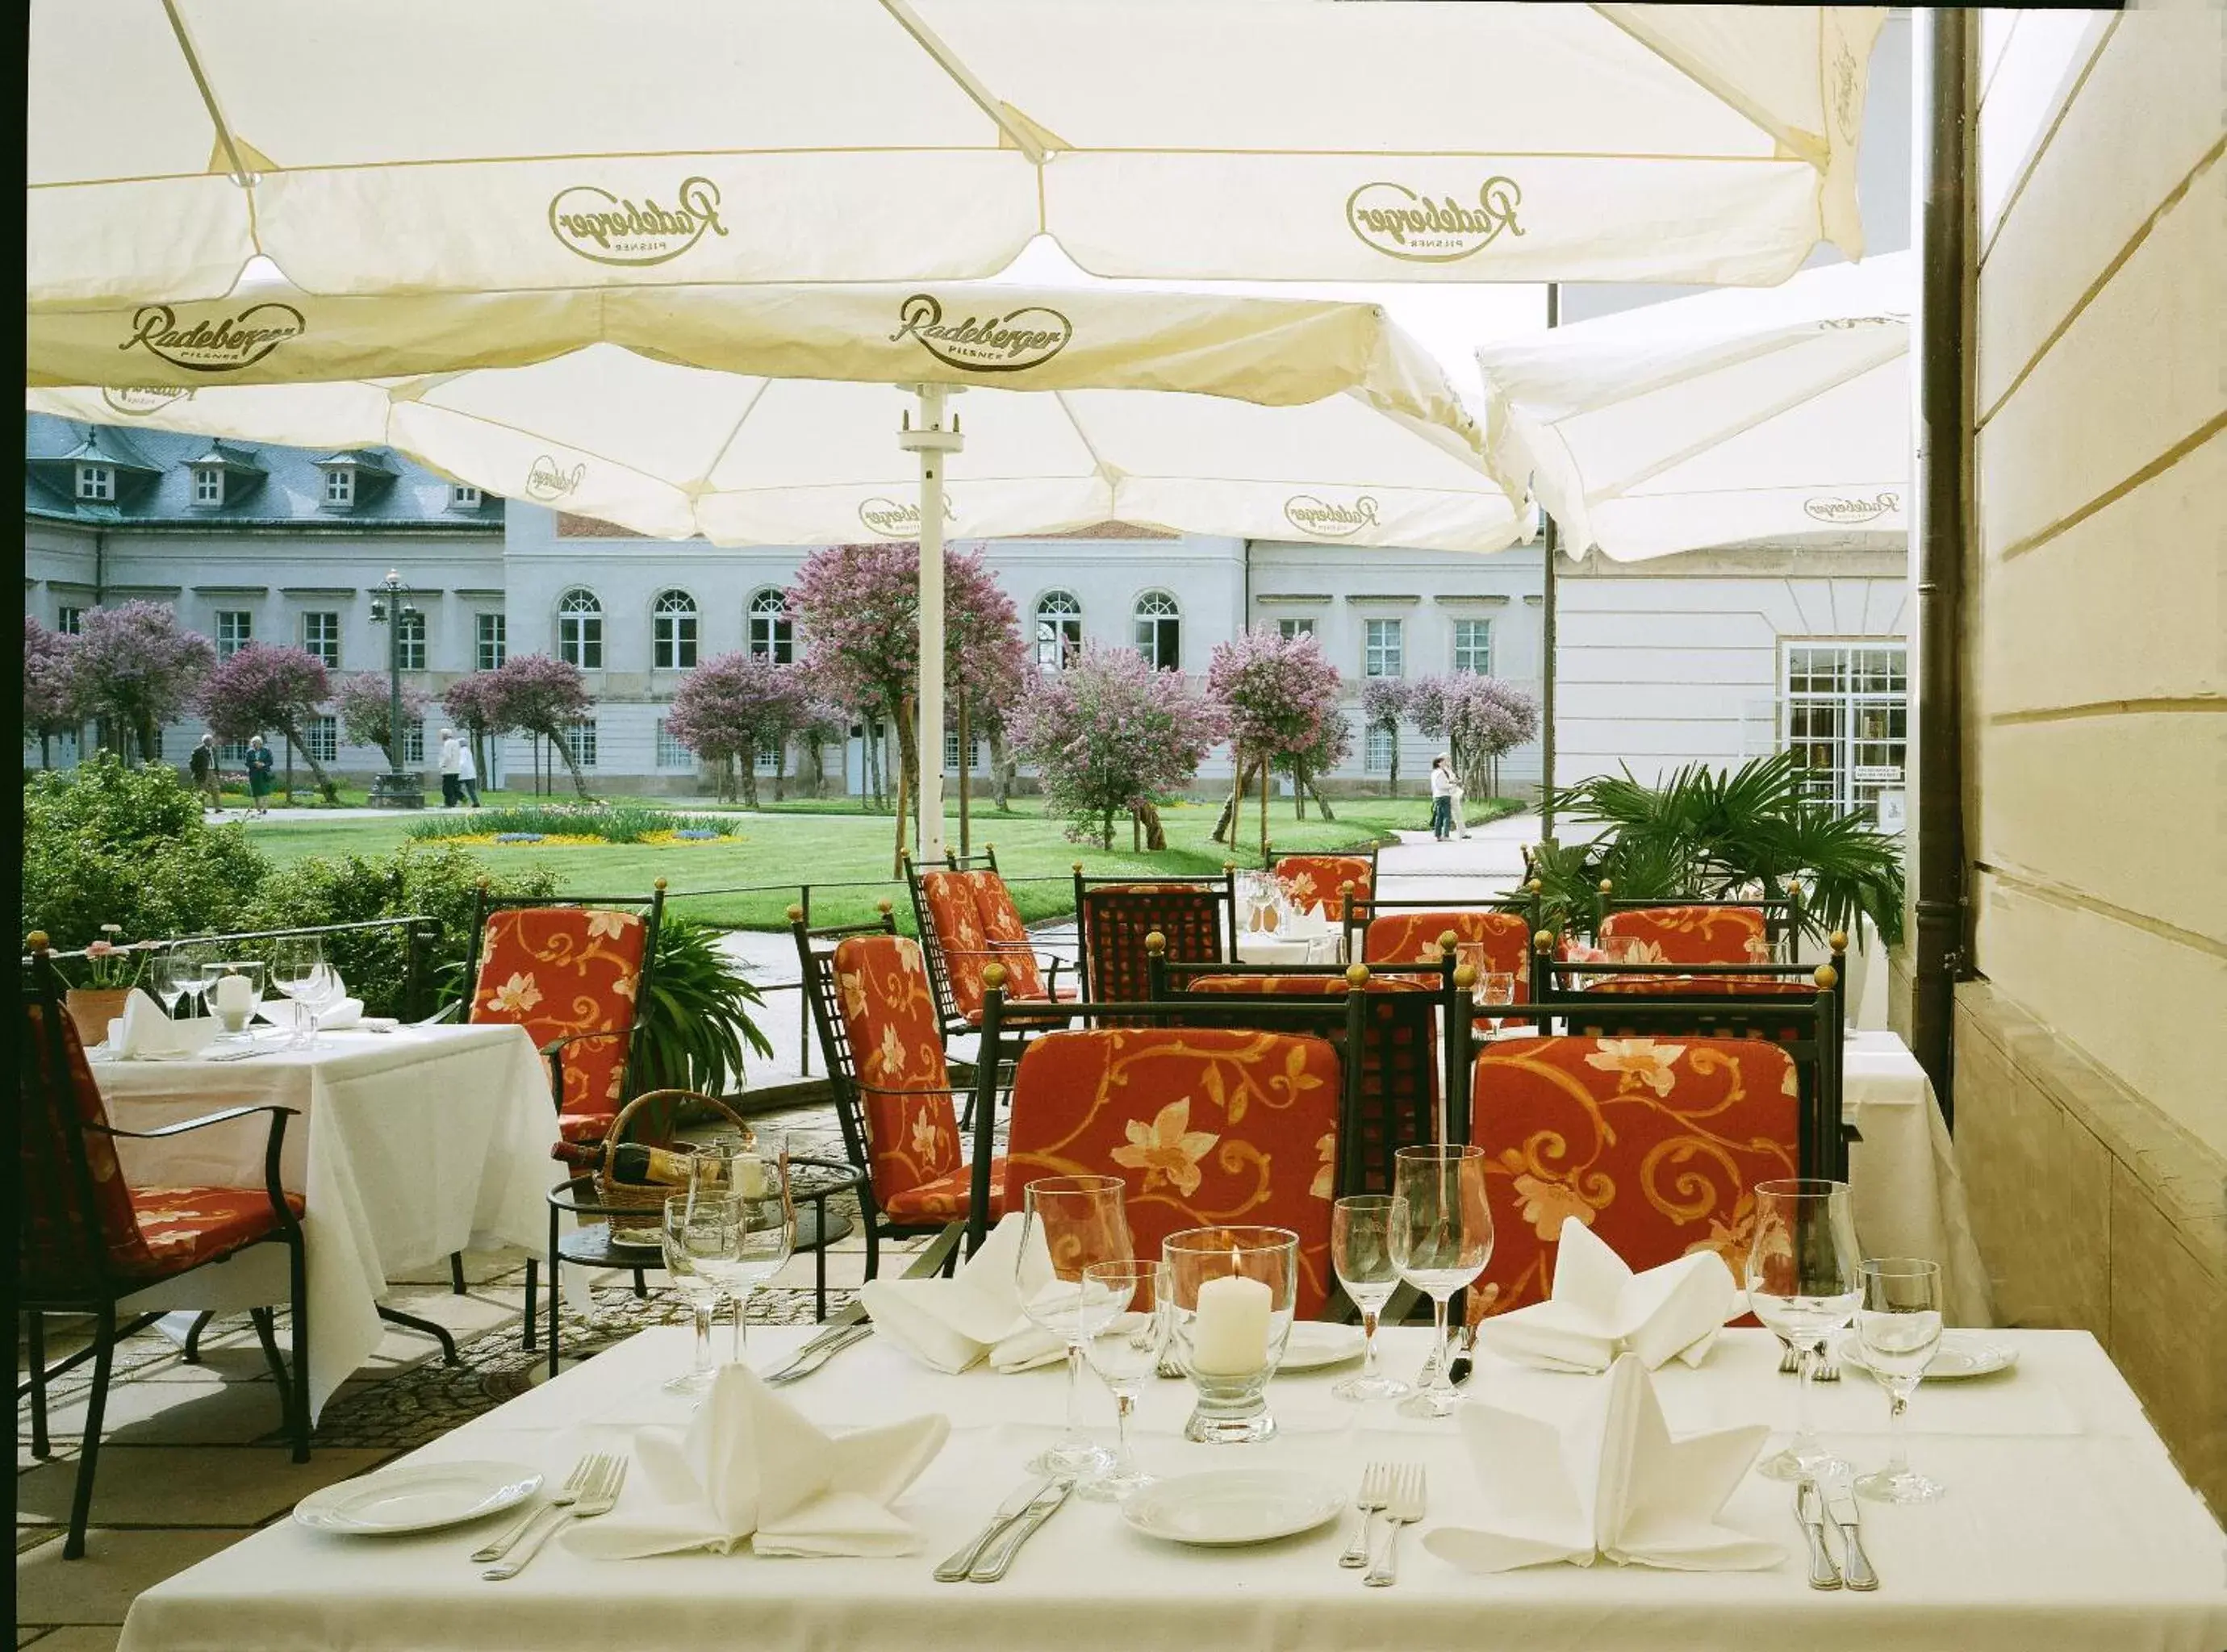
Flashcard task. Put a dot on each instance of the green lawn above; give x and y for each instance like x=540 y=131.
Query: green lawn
x=829 y=843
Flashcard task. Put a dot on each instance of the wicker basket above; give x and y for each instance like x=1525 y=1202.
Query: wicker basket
x=648 y=1196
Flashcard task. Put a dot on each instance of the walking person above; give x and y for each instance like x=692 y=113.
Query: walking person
x=206 y=779
x=261 y=766
x=468 y=770
x=1461 y=821
x=1442 y=796
x=451 y=765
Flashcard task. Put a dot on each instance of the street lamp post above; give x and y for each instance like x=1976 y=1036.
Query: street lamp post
x=395 y=789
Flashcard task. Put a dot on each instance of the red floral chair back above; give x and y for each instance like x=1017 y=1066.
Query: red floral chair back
x=558 y=971
x=1691 y=934
x=1412 y=937
x=897 y=1044
x=1005 y=935
x=1655 y=1144
x=948 y=899
x=1320 y=880
x=65 y=1241
x=1207 y=1126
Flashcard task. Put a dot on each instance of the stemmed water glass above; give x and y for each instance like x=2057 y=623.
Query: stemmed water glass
x=1361 y=1228
x=1898 y=1327
x=189 y=961
x=1079 y=1220
x=752 y=1176
x=167 y=978
x=1803 y=1282
x=294 y=960
x=702 y=1233
x=1443 y=1243
x=1125 y=1325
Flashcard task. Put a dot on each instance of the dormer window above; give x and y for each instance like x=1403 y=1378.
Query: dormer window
x=208 y=484
x=97 y=483
x=339 y=485
x=463 y=498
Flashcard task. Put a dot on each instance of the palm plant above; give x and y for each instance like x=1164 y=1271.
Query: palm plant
x=1711 y=834
x=698 y=1018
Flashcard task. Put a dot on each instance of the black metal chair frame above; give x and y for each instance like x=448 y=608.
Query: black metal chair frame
x=948 y=1015
x=1223 y=885
x=47 y=1083
x=1545 y=969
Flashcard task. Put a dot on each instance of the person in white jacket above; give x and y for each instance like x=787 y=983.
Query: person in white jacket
x=1442 y=791
x=468 y=772
x=451 y=759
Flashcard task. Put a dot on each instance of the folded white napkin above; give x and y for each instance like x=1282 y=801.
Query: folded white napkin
x=951 y=1323
x=1611 y=1486
x=285 y=1012
x=1600 y=1309
x=750 y=1469
x=144 y=1033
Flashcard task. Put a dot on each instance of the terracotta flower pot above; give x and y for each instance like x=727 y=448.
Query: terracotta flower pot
x=92 y=1008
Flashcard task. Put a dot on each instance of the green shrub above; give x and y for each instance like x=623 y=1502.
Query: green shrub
x=612 y=822
x=106 y=842
x=438 y=881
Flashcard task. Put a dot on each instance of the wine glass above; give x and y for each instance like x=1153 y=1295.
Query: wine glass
x=189 y=960
x=1898 y=1327
x=166 y=980
x=1803 y=1283
x=1443 y=1243
x=700 y=1234
x=1496 y=987
x=1078 y=1220
x=320 y=992
x=294 y=959
x=1361 y=1229
x=1125 y=1327
x=752 y=1176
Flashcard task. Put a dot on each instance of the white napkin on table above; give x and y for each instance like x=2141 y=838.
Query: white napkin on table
x=336 y=1017
x=751 y=1469
x=1599 y=1310
x=1611 y=1486
x=144 y=1033
x=953 y=1324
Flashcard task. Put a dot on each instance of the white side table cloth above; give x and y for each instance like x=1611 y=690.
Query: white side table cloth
x=1910 y=1200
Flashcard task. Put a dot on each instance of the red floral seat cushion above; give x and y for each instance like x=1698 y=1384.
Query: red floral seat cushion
x=1205 y=1125
x=948 y=1197
x=1320 y=880
x=1007 y=936
x=1412 y=937
x=59 y=1234
x=187 y=1227
x=1656 y=1144
x=560 y=969
x=977 y=925
x=1690 y=934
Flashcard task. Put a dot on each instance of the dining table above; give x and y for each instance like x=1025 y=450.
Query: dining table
x=410 y=1144
x=2064 y=1524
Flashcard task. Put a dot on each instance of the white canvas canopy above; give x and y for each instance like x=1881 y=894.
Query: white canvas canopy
x=1716 y=419
x=551 y=144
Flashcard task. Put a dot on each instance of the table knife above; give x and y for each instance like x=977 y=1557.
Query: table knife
x=1841 y=1502
x=994 y=1564
x=1464 y=1363
x=818 y=1352
x=1809 y=1508
x=955 y=1569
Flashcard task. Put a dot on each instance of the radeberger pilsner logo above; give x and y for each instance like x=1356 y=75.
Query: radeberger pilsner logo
x=600 y=227
x=1851 y=512
x=1397 y=222
x=897 y=520
x=223 y=345
x=546 y=481
x=1325 y=520
x=137 y=403
x=1027 y=337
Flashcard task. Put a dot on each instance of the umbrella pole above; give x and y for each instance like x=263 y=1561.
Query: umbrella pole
x=1547 y=623
x=931 y=439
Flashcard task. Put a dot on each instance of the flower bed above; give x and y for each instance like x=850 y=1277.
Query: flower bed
x=626 y=823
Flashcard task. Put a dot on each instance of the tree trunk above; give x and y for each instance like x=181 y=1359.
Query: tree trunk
x=871 y=755
x=558 y=742
x=1395 y=760
x=1001 y=768
x=749 y=760
x=965 y=836
x=1155 y=835
x=1321 y=802
x=908 y=764
x=46 y=751
x=1265 y=767
x=1233 y=807
x=1299 y=794
x=326 y=789
x=897 y=858
x=780 y=771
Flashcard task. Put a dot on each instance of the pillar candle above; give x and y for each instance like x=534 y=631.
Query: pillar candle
x=1229 y=1337
x=235 y=995
x=751 y=1179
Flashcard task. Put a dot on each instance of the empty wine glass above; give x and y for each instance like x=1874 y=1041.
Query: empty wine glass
x=699 y=1236
x=1077 y=1220
x=1125 y=1329
x=755 y=1182
x=1803 y=1283
x=1898 y=1327
x=1496 y=987
x=1361 y=1228
x=1442 y=1246
x=166 y=980
x=189 y=961
x=294 y=960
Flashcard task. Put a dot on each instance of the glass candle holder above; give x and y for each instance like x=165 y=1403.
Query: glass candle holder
x=1232 y=1293
x=234 y=993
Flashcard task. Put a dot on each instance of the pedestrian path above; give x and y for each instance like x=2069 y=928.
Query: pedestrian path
x=1489 y=862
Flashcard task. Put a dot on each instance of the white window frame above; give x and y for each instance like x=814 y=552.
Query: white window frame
x=1472 y=653
x=670 y=753
x=673 y=631
x=70 y=621
x=580 y=628
x=339 y=485
x=321 y=737
x=235 y=629
x=1384 y=647
x=490 y=640
x=772 y=632
x=326 y=648
x=1849 y=718
x=580 y=740
x=413 y=743
x=1291 y=629
x=1058 y=616
x=1159 y=620
x=767 y=763
x=462 y=496
x=96 y=483
x=1376 y=752
x=209 y=486
x=951 y=752
x=410 y=640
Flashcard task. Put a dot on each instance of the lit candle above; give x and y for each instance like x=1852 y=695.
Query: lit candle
x=750 y=1177
x=1229 y=1337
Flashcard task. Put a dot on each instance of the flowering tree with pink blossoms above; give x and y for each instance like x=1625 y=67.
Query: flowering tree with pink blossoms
x=138 y=668
x=543 y=696
x=1384 y=705
x=1480 y=718
x=1109 y=736
x=1280 y=694
x=47 y=708
x=265 y=687
x=474 y=705
x=731 y=708
x=360 y=702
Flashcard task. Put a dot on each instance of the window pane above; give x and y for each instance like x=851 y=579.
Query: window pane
x=1383 y=652
x=411 y=641
x=321 y=635
x=1289 y=629
x=492 y=641
x=580 y=740
x=1473 y=647
x=235 y=629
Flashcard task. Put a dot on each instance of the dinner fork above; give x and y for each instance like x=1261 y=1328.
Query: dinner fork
x=1405 y=1508
x=1789 y=1362
x=1376 y=1487
x=599 y=1497
x=584 y=1472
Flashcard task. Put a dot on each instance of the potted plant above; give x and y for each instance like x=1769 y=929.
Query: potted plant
x=696 y=1022
x=111 y=970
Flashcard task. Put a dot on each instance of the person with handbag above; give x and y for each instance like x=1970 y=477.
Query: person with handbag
x=261 y=766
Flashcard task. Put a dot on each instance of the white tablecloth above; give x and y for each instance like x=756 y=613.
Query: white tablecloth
x=1262 y=948
x=2064 y=1526
x=410 y=1144
x=1910 y=1200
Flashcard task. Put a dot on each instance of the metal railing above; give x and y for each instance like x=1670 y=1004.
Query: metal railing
x=420 y=932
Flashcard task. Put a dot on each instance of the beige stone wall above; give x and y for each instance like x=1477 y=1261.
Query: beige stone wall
x=2091 y=1094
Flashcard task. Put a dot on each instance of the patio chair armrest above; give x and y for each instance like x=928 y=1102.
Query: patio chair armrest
x=572 y=1039
x=279 y=1117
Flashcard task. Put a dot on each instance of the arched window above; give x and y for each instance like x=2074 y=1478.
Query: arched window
x=1059 y=630
x=673 y=632
x=580 y=629
x=1159 y=631
x=772 y=632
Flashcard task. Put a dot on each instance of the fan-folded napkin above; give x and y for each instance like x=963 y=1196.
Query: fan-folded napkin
x=953 y=1324
x=144 y=1033
x=1599 y=1308
x=752 y=1470
x=1612 y=1485
x=337 y=1017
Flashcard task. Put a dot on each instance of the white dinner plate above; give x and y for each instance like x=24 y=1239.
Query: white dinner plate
x=417 y=1497
x=1314 y=1344
x=1234 y=1505
x=1962 y=1353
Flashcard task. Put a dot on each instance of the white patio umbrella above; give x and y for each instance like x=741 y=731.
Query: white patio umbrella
x=555 y=144
x=1718 y=418
x=684 y=412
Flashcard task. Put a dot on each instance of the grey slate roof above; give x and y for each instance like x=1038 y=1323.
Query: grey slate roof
x=266 y=485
